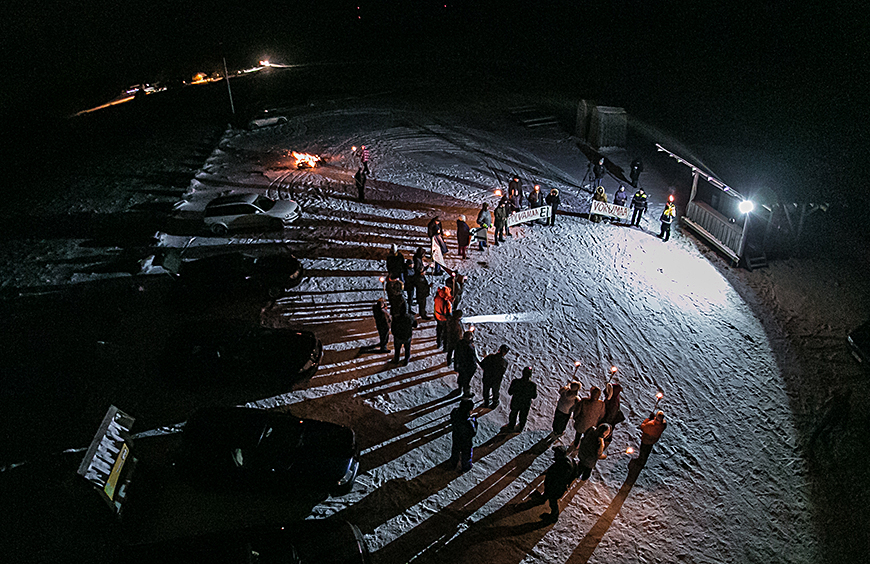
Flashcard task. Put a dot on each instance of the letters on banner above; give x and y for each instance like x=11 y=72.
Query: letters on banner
x=531 y=214
x=609 y=210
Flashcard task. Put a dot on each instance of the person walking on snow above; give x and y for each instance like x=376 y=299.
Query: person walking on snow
x=443 y=310
x=456 y=284
x=463 y=236
x=569 y=397
x=494 y=367
x=587 y=414
x=396 y=263
x=553 y=201
x=382 y=322
x=359 y=180
x=668 y=215
x=636 y=169
x=465 y=363
x=558 y=477
x=364 y=160
x=650 y=432
x=395 y=294
x=522 y=391
x=639 y=204
x=453 y=332
x=592 y=449
x=403 y=330
x=484 y=222
x=464 y=428
x=421 y=284
x=613 y=415
x=436 y=235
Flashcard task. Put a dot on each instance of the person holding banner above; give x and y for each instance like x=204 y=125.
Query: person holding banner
x=598 y=196
x=553 y=201
x=621 y=196
x=484 y=222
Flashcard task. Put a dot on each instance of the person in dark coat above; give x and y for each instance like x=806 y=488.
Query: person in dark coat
x=359 y=180
x=668 y=215
x=636 y=169
x=639 y=204
x=553 y=201
x=484 y=222
x=621 y=196
x=613 y=415
x=382 y=322
x=494 y=367
x=456 y=284
x=403 y=330
x=558 y=477
x=522 y=391
x=501 y=215
x=465 y=363
x=423 y=288
x=395 y=295
x=535 y=197
x=515 y=191
x=453 y=333
x=464 y=428
x=396 y=263
x=592 y=449
x=463 y=236
x=598 y=172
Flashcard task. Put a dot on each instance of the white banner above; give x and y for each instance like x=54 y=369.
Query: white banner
x=610 y=210
x=437 y=256
x=531 y=214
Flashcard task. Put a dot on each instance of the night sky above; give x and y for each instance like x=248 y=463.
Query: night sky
x=739 y=72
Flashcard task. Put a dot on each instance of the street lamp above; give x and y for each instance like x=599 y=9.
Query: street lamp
x=745 y=207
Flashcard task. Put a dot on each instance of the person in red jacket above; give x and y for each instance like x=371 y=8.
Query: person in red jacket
x=443 y=311
x=651 y=431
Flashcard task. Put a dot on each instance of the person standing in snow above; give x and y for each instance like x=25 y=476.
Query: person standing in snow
x=443 y=310
x=587 y=414
x=598 y=172
x=668 y=215
x=553 y=201
x=364 y=160
x=396 y=263
x=463 y=236
x=359 y=180
x=501 y=215
x=464 y=428
x=456 y=284
x=639 y=204
x=558 y=477
x=515 y=191
x=453 y=332
x=484 y=222
x=436 y=235
x=395 y=294
x=522 y=391
x=592 y=449
x=465 y=363
x=621 y=196
x=534 y=197
x=569 y=397
x=403 y=330
x=636 y=169
x=494 y=367
x=382 y=322
x=598 y=196
x=421 y=283
x=650 y=432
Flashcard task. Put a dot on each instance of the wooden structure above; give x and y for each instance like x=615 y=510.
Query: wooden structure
x=603 y=127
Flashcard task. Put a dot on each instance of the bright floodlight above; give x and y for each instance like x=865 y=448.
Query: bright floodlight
x=746 y=206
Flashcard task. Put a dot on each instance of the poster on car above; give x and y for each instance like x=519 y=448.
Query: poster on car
x=608 y=210
x=531 y=214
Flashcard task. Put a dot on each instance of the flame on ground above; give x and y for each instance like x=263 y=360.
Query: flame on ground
x=304 y=160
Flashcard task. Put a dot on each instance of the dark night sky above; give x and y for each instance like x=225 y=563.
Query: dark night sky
x=790 y=70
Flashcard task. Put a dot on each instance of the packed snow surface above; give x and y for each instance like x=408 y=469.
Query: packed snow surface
x=723 y=485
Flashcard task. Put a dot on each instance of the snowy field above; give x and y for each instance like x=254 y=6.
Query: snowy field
x=727 y=482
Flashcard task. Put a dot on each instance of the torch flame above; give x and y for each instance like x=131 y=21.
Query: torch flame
x=382 y=279
x=304 y=160
x=613 y=369
x=497 y=192
x=659 y=395
x=577 y=363
x=629 y=450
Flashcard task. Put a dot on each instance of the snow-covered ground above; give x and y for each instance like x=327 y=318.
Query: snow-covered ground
x=727 y=482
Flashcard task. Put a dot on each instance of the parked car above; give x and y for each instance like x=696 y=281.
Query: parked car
x=257 y=448
x=266 y=121
x=273 y=273
x=859 y=341
x=228 y=349
x=315 y=541
x=248 y=211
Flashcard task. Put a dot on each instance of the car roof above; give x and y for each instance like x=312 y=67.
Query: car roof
x=244 y=198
